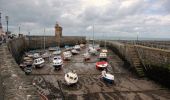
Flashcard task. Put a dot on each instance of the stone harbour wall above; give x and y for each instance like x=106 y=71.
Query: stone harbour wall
x=14 y=84
x=37 y=42
x=17 y=47
x=150 y=56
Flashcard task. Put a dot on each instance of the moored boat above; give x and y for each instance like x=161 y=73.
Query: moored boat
x=101 y=65
x=92 y=51
x=103 y=56
x=36 y=55
x=86 y=56
x=74 y=51
x=71 y=78
x=77 y=47
x=39 y=62
x=107 y=77
x=57 y=62
x=67 y=55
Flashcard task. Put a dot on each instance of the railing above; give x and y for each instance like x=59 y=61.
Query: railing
x=154 y=44
x=140 y=55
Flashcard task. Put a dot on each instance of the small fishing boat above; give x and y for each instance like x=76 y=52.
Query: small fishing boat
x=57 y=62
x=103 y=56
x=67 y=47
x=27 y=58
x=97 y=47
x=67 y=55
x=92 y=51
x=29 y=55
x=52 y=49
x=101 y=65
x=82 y=45
x=107 y=77
x=36 y=55
x=86 y=56
x=39 y=62
x=77 y=47
x=71 y=78
x=45 y=55
x=57 y=51
x=104 y=50
x=28 y=70
x=74 y=52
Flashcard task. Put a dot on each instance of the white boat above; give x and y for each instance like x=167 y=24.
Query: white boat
x=36 y=55
x=45 y=55
x=39 y=62
x=82 y=45
x=104 y=50
x=92 y=51
x=103 y=56
x=57 y=52
x=77 y=47
x=74 y=51
x=86 y=56
x=67 y=55
x=107 y=77
x=68 y=47
x=29 y=55
x=71 y=78
x=57 y=62
x=97 y=47
x=52 y=49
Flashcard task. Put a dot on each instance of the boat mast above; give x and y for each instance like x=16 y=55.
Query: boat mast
x=44 y=38
x=93 y=36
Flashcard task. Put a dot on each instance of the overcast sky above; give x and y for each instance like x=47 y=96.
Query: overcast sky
x=114 y=18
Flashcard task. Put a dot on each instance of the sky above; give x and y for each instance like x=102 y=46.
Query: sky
x=108 y=18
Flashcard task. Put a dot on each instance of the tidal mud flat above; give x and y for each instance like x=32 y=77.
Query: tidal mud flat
x=90 y=86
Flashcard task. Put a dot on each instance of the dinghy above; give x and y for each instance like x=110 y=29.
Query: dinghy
x=39 y=62
x=101 y=65
x=71 y=78
x=107 y=77
x=57 y=62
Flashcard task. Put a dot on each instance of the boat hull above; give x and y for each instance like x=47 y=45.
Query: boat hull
x=108 y=80
x=57 y=67
x=39 y=65
x=100 y=68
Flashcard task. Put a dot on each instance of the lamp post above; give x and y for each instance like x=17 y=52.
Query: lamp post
x=7 y=18
x=137 y=36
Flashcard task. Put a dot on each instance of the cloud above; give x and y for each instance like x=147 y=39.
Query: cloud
x=114 y=17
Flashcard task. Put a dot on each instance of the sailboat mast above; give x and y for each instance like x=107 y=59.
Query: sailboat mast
x=93 y=36
x=44 y=38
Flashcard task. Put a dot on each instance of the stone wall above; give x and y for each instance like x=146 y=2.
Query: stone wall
x=17 y=47
x=152 y=56
x=14 y=85
x=36 y=42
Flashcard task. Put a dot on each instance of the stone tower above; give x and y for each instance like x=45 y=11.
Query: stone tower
x=58 y=33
